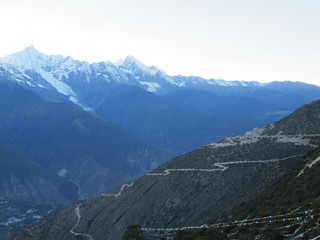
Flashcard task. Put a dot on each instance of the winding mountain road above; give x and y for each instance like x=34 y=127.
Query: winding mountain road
x=115 y=195
x=221 y=166
x=77 y=210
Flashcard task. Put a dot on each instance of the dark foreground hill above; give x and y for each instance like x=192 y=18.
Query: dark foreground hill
x=193 y=187
x=296 y=194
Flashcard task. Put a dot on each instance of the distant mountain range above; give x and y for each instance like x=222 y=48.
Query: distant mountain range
x=194 y=187
x=79 y=81
x=140 y=99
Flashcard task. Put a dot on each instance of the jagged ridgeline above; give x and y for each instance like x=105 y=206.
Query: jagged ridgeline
x=191 y=188
x=175 y=113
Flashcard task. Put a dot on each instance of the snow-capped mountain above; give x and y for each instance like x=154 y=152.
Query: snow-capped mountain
x=35 y=69
x=74 y=79
x=50 y=68
x=133 y=66
x=38 y=70
x=130 y=84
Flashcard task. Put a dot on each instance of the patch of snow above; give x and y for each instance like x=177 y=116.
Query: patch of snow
x=30 y=211
x=223 y=83
x=41 y=86
x=19 y=81
x=73 y=99
x=60 y=86
x=174 y=82
x=62 y=172
x=119 y=75
x=195 y=82
x=151 y=86
x=69 y=64
x=219 y=82
x=30 y=84
x=25 y=75
x=130 y=64
x=106 y=77
x=31 y=58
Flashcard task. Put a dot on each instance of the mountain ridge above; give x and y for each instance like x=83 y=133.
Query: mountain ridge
x=60 y=136
x=15 y=167
x=92 y=87
x=30 y=58
x=195 y=186
x=288 y=209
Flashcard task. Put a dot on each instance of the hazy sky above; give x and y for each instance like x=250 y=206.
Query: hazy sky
x=262 y=40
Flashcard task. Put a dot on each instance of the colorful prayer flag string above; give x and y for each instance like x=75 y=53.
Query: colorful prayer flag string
x=244 y=222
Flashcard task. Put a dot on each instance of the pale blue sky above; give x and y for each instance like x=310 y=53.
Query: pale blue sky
x=262 y=40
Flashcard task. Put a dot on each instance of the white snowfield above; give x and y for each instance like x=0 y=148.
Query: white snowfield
x=221 y=166
x=151 y=86
x=77 y=210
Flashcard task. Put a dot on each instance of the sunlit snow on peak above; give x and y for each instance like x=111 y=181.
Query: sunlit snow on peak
x=133 y=66
x=31 y=58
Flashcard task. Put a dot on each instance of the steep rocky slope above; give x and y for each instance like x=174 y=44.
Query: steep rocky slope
x=170 y=127
x=84 y=148
x=29 y=192
x=24 y=180
x=193 y=187
x=294 y=195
